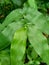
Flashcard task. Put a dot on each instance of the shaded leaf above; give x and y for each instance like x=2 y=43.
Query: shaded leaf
x=4 y=42
x=17 y=2
x=4 y=57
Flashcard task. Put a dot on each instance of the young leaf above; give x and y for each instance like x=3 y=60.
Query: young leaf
x=18 y=47
x=32 y=3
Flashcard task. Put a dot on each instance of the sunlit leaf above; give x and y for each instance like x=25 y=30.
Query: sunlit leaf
x=18 y=47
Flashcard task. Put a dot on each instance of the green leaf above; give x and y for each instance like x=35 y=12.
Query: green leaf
x=48 y=40
x=17 y=2
x=39 y=43
x=4 y=42
x=32 y=3
x=18 y=47
x=10 y=30
x=2 y=2
x=36 y=18
x=7 y=1
x=4 y=57
x=31 y=53
x=7 y=34
x=14 y=16
x=46 y=27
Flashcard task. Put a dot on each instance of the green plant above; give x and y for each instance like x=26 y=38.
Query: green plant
x=26 y=34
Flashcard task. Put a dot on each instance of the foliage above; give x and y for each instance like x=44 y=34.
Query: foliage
x=24 y=32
